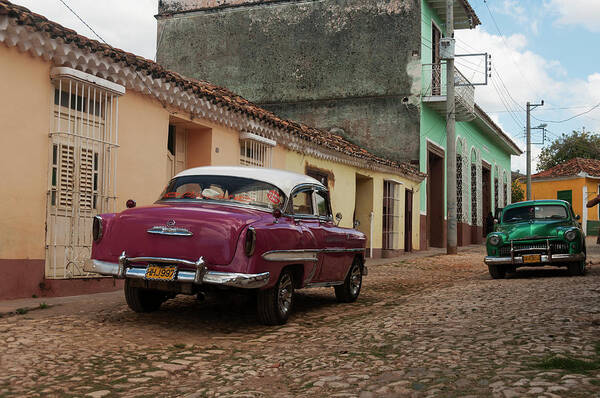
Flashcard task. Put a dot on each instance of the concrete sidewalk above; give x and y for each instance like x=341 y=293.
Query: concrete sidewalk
x=16 y=306
x=21 y=306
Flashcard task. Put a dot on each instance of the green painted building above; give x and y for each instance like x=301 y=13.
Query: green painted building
x=368 y=70
x=483 y=150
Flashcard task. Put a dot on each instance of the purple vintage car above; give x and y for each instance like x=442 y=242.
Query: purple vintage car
x=262 y=230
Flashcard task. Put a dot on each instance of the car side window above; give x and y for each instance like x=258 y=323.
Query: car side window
x=302 y=203
x=322 y=203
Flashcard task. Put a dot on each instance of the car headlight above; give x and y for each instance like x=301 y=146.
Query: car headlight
x=570 y=235
x=97 y=229
x=494 y=240
x=250 y=242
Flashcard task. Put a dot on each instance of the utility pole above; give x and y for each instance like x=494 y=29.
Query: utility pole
x=451 y=242
x=530 y=106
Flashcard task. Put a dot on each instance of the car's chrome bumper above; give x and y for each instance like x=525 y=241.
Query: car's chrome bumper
x=125 y=269
x=544 y=259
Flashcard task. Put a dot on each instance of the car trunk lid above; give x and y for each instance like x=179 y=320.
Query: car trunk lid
x=212 y=231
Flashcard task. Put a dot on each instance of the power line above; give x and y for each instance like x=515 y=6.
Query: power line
x=505 y=43
x=82 y=21
x=570 y=118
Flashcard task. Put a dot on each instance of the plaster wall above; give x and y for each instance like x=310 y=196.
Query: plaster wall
x=549 y=189
x=353 y=65
x=25 y=114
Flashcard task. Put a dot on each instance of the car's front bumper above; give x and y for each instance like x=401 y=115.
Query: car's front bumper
x=544 y=259
x=127 y=268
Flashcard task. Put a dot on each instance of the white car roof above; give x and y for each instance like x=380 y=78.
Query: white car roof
x=282 y=179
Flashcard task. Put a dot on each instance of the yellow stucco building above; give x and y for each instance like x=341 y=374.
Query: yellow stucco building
x=576 y=181
x=86 y=127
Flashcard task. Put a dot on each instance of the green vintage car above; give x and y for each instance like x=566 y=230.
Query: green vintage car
x=536 y=233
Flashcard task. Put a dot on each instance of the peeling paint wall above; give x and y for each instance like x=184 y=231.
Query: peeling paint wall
x=351 y=65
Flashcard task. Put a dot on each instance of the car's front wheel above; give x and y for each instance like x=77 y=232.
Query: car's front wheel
x=275 y=304
x=349 y=291
x=143 y=300
x=497 y=271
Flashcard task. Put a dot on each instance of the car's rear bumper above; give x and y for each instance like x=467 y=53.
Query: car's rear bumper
x=544 y=259
x=124 y=269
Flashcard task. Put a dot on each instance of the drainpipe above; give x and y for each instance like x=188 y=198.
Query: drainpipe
x=371 y=217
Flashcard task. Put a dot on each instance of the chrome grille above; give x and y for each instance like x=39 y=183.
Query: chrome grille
x=555 y=247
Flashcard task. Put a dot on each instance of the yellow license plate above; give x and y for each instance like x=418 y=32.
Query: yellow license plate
x=532 y=258
x=160 y=273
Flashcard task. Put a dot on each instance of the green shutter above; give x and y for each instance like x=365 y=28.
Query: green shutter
x=565 y=195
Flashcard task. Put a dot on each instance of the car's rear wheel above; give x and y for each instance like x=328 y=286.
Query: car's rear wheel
x=275 y=304
x=349 y=291
x=143 y=300
x=497 y=271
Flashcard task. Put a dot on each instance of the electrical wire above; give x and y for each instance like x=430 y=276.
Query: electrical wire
x=569 y=118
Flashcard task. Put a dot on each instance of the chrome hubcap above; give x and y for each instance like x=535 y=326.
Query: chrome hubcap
x=284 y=294
x=355 y=279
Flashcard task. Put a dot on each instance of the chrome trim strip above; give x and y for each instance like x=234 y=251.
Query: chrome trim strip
x=159 y=230
x=161 y=260
x=232 y=279
x=292 y=255
x=554 y=258
x=299 y=254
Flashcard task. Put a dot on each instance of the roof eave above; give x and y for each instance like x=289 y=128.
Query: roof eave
x=464 y=15
x=483 y=120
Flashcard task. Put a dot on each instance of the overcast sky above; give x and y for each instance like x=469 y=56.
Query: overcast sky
x=541 y=49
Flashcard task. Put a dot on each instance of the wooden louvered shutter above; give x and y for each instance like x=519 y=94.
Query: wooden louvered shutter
x=67 y=168
x=86 y=177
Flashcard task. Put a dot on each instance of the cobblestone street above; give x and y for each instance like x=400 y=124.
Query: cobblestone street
x=423 y=326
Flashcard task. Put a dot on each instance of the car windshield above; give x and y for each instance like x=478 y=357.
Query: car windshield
x=224 y=189
x=537 y=212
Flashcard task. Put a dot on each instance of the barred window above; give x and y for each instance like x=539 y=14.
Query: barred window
x=255 y=150
x=391 y=214
x=82 y=166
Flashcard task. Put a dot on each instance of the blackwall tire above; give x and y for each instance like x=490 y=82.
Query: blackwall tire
x=349 y=291
x=497 y=271
x=142 y=300
x=275 y=304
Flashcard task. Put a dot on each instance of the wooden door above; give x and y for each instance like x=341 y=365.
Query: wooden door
x=408 y=216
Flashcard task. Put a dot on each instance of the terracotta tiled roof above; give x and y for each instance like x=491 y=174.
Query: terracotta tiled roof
x=572 y=168
x=202 y=89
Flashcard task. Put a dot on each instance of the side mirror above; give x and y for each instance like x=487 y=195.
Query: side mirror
x=338 y=218
x=577 y=217
x=277 y=214
x=356 y=223
x=130 y=204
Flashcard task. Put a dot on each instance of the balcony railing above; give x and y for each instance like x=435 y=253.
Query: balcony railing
x=434 y=90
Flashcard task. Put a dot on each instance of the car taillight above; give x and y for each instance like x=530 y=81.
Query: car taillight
x=97 y=229
x=250 y=242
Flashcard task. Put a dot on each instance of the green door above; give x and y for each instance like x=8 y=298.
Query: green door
x=565 y=195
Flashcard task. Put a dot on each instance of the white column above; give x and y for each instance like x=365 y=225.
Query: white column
x=584 y=213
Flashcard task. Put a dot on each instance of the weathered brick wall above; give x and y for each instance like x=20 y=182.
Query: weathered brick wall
x=350 y=64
